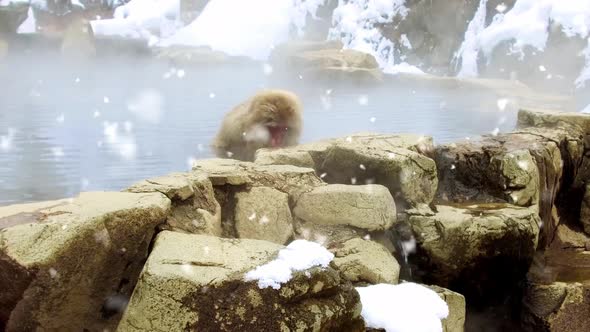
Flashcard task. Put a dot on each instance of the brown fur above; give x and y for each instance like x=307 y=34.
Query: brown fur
x=266 y=108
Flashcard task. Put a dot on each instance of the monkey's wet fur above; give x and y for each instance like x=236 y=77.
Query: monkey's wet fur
x=269 y=119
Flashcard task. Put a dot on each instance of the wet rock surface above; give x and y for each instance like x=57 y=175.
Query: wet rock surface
x=476 y=250
x=455 y=321
x=200 y=278
x=399 y=162
x=194 y=208
x=369 y=207
x=366 y=261
x=557 y=306
x=72 y=264
x=263 y=214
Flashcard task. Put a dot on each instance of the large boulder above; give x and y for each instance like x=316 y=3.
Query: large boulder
x=202 y=280
x=368 y=207
x=559 y=306
x=366 y=261
x=231 y=177
x=285 y=178
x=455 y=321
x=263 y=213
x=526 y=167
x=585 y=210
x=194 y=208
x=333 y=63
x=399 y=162
x=71 y=264
x=479 y=251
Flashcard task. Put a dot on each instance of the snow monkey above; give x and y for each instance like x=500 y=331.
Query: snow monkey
x=269 y=119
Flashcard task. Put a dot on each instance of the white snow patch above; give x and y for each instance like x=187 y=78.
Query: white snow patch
x=527 y=24
x=299 y=255
x=141 y=19
x=355 y=23
x=30 y=24
x=245 y=28
x=6 y=141
x=407 y=307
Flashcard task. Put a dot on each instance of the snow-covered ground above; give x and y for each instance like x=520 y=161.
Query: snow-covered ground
x=248 y=28
x=407 y=307
x=526 y=25
x=141 y=19
x=355 y=23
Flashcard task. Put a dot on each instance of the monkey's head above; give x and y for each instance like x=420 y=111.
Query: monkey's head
x=275 y=119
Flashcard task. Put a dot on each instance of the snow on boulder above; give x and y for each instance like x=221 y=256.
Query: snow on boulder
x=406 y=307
x=298 y=256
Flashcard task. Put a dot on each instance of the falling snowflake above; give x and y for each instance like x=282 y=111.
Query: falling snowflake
x=542 y=68
x=361 y=166
x=373 y=119
x=363 y=100
x=267 y=69
x=496 y=131
x=106 y=100
x=264 y=220
x=501 y=8
x=61 y=118
x=353 y=180
x=502 y=103
x=180 y=73
x=211 y=95
x=57 y=152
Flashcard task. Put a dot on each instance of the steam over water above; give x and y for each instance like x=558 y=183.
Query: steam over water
x=66 y=128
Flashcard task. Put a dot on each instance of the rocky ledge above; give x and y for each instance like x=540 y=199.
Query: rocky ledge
x=288 y=242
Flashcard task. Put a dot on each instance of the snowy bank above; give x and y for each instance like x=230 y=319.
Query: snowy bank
x=356 y=24
x=248 y=28
x=407 y=307
x=141 y=19
x=527 y=24
x=299 y=255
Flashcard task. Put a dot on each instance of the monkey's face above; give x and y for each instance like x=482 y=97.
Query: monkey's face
x=268 y=135
x=276 y=123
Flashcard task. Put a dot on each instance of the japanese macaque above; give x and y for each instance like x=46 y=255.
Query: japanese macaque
x=270 y=119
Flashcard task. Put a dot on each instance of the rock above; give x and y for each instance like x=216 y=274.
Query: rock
x=366 y=261
x=585 y=210
x=368 y=207
x=332 y=58
x=568 y=237
x=202 y=55
x=194 y=208
x=335 y=63
x=286 y=178
x=526 y=167
x=263 y=214
x=71 y=264
x=78 y=40
x=12 y=16
x=558 y=306
x=399 y=162
x=479 y=251
x=201 y=280
x=455 y=321
x=553 y=119
x=190 y=9
x=281 y=53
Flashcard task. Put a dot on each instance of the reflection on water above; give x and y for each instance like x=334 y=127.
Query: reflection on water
x=66 y=128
